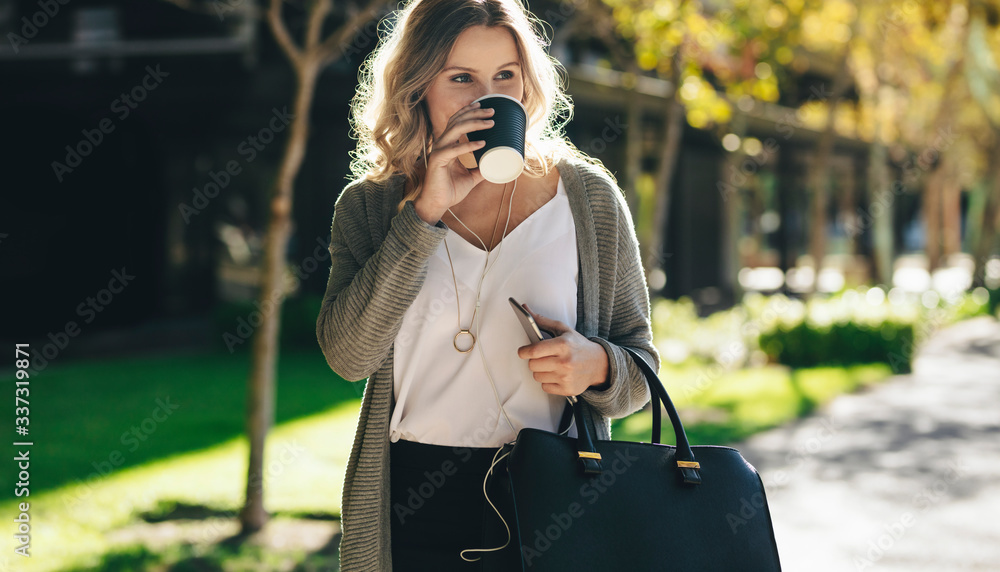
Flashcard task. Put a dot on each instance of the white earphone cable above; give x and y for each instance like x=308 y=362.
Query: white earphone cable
x=507 y=528
x=496 y=394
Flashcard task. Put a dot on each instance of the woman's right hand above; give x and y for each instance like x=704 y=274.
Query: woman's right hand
x=446 y=181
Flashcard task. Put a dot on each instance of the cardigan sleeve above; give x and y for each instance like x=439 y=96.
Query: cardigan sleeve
x=629 y=326
x=369 y=290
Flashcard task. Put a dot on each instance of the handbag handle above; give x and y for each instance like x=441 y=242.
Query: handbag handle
x=590 y=459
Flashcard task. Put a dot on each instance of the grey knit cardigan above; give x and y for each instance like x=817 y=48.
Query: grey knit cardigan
x=378 y=265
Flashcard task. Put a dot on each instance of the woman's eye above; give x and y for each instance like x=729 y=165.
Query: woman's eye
x=464 y=78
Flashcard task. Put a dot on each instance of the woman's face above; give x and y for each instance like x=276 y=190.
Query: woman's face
x=483 y=60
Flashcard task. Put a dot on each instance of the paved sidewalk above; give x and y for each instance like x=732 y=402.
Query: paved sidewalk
x=905 y=476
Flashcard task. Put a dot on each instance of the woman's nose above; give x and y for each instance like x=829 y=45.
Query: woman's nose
x=497 y=87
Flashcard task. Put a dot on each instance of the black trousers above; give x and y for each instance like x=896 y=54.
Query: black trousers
x=437 y=506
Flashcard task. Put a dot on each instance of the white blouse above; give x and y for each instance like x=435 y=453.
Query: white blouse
x=444 y=397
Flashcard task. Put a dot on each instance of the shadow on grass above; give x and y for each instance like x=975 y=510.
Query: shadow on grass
x=806 y=403
x=727 y=420
x=101 y=416
x=298 y=542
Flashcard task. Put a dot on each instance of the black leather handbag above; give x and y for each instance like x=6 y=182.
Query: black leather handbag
x=584 y=504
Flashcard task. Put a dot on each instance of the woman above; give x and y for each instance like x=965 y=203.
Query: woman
x=421 y=273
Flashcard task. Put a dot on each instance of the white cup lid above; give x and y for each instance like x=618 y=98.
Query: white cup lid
x=501 y=164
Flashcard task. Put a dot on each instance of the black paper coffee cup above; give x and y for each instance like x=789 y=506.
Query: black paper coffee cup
x=501 y=159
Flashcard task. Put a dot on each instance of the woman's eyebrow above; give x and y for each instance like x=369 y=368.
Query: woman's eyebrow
x=460 y=68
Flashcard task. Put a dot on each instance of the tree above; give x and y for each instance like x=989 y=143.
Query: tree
x=927 y=101
x=907 y=60
x=984 y=84
x=709 y=58
x=307 y=60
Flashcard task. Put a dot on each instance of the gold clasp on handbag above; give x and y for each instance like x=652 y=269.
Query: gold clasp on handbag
x=589 y=455
x=688 y=464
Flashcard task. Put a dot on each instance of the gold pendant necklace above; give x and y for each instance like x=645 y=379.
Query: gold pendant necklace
x=486 y=268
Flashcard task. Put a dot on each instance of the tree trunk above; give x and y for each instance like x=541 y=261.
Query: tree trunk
x=880 y=211
x=938 y=214
x=846 y=203
x=818 y=181
x=633 y=148
x=260 y=387
x=732 y=212
x=988 y=225
x=672 y=134
x=307 y=63
x=602 y=25
x=932 y=218
x=952 y=215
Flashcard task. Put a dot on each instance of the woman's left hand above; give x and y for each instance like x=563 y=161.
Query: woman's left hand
x=567 y=364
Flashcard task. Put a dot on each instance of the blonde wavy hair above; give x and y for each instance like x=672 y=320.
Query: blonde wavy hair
x=389 y=115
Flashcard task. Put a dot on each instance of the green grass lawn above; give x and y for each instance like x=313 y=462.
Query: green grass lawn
x=164 y=496
x=84 y=412
x=91 y=476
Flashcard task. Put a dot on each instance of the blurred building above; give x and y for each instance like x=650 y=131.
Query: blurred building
x=759 y=185
x=144 y=140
